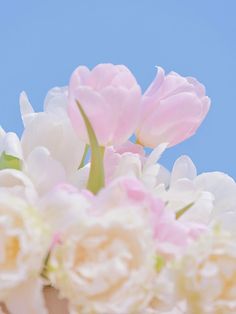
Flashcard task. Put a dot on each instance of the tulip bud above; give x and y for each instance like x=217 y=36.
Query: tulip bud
x=173 y=107
x=110 y=98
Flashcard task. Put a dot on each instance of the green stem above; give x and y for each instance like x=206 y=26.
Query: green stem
x=96 y=179
x=96 y=175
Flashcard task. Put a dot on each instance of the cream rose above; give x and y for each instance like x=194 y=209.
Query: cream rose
x=23 y=247
x=106 y=264
x=206 y=275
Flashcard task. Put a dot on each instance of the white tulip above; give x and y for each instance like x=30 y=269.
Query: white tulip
x=10 y=144
x=212 y=195
x=52 y=130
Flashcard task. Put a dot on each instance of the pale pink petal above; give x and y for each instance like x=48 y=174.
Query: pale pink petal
x=111 y=99
x=172 y=110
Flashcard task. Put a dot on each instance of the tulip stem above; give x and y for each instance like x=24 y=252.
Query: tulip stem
x=84 y=156
x=96 y=174
x=96 y=179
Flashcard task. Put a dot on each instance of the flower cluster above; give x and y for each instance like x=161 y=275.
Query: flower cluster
x=86 y=210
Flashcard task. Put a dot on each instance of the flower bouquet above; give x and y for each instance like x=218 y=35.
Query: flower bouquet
x=92 y=223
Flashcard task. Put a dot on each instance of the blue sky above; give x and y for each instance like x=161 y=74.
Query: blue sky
x=43 y=41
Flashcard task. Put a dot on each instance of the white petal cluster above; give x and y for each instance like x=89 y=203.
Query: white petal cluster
x=206 y=275
x=98 y=219
x=108 y=261
x=211 y=195
x=48 y=141
x=24 y=242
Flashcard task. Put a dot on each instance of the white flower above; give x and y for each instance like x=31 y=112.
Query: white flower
x=10 y=144
x=206 y=275
x=211 y=195
x=44 y=171
x=62 y=207
x=23 y=246
x=105 y=262
x=13 y=178
x=17 y=183
x=52 y=130
x=223 y=189
x=182 y=191
x=105 y=265
x=38 y=169
x=131 y=161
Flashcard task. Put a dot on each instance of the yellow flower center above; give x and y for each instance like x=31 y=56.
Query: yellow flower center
x=12 y=248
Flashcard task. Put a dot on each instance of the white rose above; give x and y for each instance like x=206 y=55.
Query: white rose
x=18 y=184
x=62 y=206
x=23 y=247
x=105 y=264
x=206 y=275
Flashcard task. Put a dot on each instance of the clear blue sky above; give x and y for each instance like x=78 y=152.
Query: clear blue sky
x=43 y=41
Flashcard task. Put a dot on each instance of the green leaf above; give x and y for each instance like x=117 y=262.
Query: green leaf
x=9 y=162
x=96 y=179
x=183 y=210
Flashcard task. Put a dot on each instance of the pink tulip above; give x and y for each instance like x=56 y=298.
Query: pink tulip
x=173 y=107
x=111 y=99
